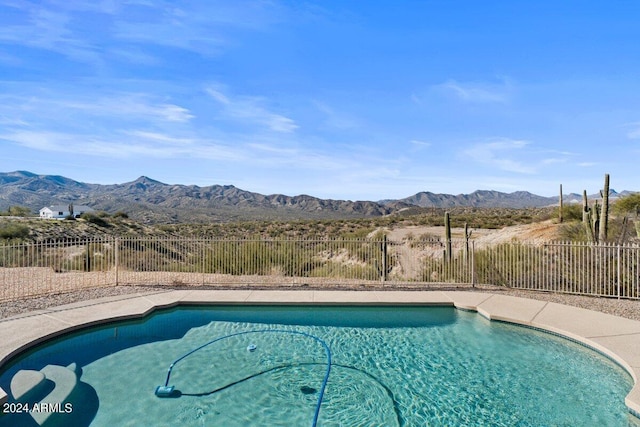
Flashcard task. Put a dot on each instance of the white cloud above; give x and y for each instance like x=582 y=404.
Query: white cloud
x=279 y=123
x=520 y=156
x=83 y=144
x=126 y=29
x=635 y=132
x=160 y=138
x=334 y=119
x=480 y=93
x=294 y=157
x=553 y=160
x=44 y=28
x=500 y=154
x=134 y=56
x=12 y=121
x=250 y=109
x=200 y=27
x=217 y=95
x=44 y=107
x=131 y=144
x=420 y=144
x=126 y=125
x=173 y=34
x=172 y=113
x=135 y=106
x=416 y=99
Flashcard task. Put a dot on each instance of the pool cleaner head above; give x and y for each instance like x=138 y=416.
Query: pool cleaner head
x=164 y=391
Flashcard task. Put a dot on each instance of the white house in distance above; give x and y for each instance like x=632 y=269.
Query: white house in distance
x=61 y=211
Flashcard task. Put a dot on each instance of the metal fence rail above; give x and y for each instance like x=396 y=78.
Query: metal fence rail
x=54 y=267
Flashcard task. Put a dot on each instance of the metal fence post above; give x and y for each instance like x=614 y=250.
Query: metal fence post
x=473 y=264
x=384 y=258
x=619 y=271
x=117 y=256
x=204 y=254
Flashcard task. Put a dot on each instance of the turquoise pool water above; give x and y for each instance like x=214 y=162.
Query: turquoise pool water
x=391 y=366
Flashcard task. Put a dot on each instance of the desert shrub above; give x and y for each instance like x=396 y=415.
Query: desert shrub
x=339 y=270
x=576 y=231
x=437 y=269
x=13 y=231
x=95 y=219
x=357 y=233
x=17 y=211
x=572 y=212
x=573 y=231
x=524 y=261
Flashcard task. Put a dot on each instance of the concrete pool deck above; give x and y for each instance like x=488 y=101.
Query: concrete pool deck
x=616 y=337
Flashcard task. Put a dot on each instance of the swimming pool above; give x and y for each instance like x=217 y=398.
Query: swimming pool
x=389 y=366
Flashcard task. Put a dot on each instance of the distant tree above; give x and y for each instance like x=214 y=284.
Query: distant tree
x=18 y=211
x=629 y=205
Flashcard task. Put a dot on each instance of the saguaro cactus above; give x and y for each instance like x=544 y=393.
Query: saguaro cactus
x=560 y=218
x=467 y=236
x=587 y=220
x=595 y=218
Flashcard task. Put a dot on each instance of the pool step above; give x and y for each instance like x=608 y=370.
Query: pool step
x=28 y=383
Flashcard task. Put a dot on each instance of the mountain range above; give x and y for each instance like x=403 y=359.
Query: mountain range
x=151 y=201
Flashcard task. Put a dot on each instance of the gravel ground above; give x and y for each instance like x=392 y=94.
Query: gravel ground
x=624 y=308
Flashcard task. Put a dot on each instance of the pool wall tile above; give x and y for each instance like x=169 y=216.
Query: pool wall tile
x=224 y=296
x=413 y=298
x=280 y=297
x=633 y=401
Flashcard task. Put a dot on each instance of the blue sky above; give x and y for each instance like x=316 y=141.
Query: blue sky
x=360 y=100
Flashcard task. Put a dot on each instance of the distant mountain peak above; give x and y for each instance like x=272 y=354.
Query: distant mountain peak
x=25 y=174
x=149 y=200
x=146 y=180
